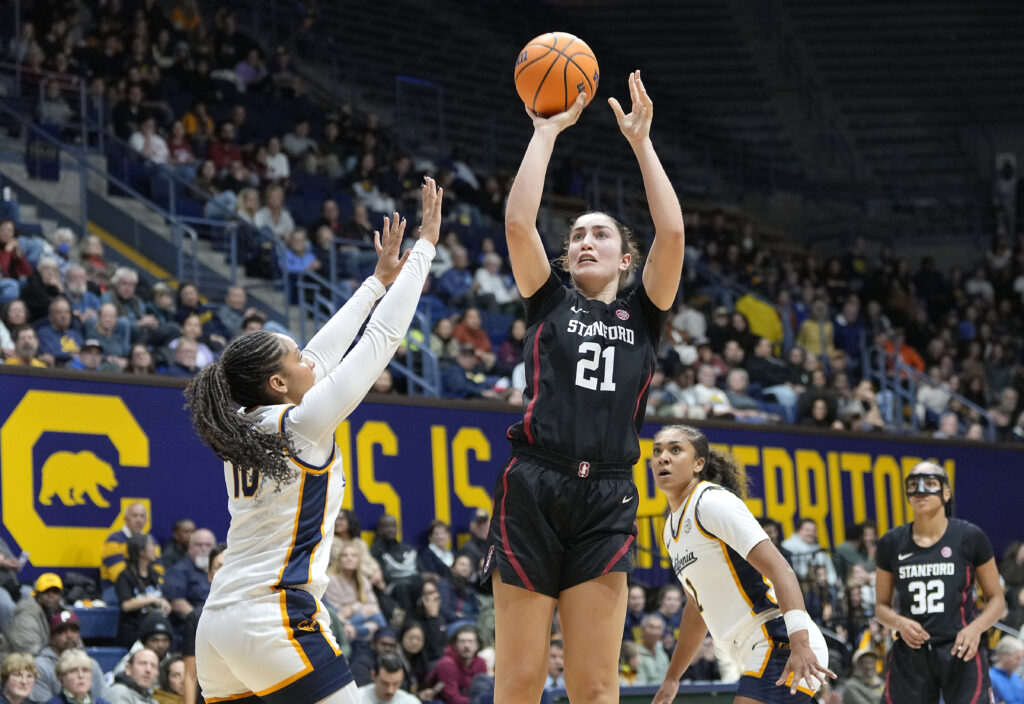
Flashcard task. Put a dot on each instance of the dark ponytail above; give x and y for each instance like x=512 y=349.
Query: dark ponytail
x=722 y=469
x=719 y=467
x=239 y=378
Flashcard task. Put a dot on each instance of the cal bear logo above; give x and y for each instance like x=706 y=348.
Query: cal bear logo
x=308 y=625
x=72 y=477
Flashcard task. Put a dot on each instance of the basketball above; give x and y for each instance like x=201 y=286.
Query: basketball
x=552 y=70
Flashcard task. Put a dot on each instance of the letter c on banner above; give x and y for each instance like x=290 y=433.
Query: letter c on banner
x=41 y=412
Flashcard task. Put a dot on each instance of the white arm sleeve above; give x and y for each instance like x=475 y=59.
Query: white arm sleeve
x=331 y=342
x=724 y=515
x=330 y=400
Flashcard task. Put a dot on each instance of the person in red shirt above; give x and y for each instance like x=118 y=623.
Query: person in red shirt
x=470 y=331
x=13 y=264
x=459 y=665
x=225 y=150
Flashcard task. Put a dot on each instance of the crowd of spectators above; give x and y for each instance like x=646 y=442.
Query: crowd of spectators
x=414 y=620
x=313 y=179
x=73 y=309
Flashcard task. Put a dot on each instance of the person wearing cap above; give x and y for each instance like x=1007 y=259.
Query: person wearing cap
x=65 y=635
x=467 y=378
x=89 y=357
x=30 y=630
x=155 y=633
x=112 y=332
x=864 y=685
x=59 y=340
x=1007 y=684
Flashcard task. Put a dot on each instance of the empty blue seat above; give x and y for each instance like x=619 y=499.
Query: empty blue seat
x=106 y=657
x=98 y=622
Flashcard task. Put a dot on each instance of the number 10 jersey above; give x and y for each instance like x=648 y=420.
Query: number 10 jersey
x=588 y=372
x=935 y=585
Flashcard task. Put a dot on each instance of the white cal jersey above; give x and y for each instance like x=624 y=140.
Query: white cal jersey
x=708 y=539
x=281 y=536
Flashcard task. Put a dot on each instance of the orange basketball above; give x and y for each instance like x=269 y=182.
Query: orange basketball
x=552 y=70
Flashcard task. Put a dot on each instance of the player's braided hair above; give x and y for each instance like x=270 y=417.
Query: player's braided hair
x=239 y=378
x=629 y=246
x=719 y=467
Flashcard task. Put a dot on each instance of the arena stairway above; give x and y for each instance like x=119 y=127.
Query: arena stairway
x=133 y=233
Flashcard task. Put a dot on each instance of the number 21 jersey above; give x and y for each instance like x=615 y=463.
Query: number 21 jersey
x=935 y=585
x=588 y=371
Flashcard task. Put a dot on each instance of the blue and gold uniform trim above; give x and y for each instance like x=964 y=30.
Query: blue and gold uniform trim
x=324 y=668
x=306 y=466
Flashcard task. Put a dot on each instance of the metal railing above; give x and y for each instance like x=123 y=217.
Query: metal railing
x=903 y=381
x=318 y=299
x=186 y=269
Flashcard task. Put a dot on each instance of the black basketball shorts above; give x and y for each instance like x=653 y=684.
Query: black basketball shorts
x=922 y=674
x=555 y=527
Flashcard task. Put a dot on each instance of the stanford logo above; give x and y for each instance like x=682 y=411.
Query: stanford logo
x=947 y=551
x=489 y=561
x=584 y=470
x=622 y=314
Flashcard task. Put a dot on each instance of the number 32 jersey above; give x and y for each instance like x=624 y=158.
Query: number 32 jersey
x=588 y=371
x=935 y=585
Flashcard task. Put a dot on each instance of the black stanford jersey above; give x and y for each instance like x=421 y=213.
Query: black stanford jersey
x=935 y=585
x=588 y=370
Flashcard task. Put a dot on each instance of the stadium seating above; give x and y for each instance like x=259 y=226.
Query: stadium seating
x=107 y=657
x=98 y=623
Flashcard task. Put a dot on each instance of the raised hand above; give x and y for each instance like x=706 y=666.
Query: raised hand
x=430 y=229
x=636 y=126
x=559 y=122
x=388 y=247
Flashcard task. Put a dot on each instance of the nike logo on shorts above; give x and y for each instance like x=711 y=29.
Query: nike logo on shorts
x=904 y=556
x=626 y=499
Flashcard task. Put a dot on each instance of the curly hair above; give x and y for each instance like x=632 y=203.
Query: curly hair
x=240 y=378
x=719 y=467
x=630 y=246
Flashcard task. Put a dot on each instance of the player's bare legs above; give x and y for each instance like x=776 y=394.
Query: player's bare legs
x=522 y=633
x=592 y=615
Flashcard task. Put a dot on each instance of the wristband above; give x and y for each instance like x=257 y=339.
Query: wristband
x=796 y=620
